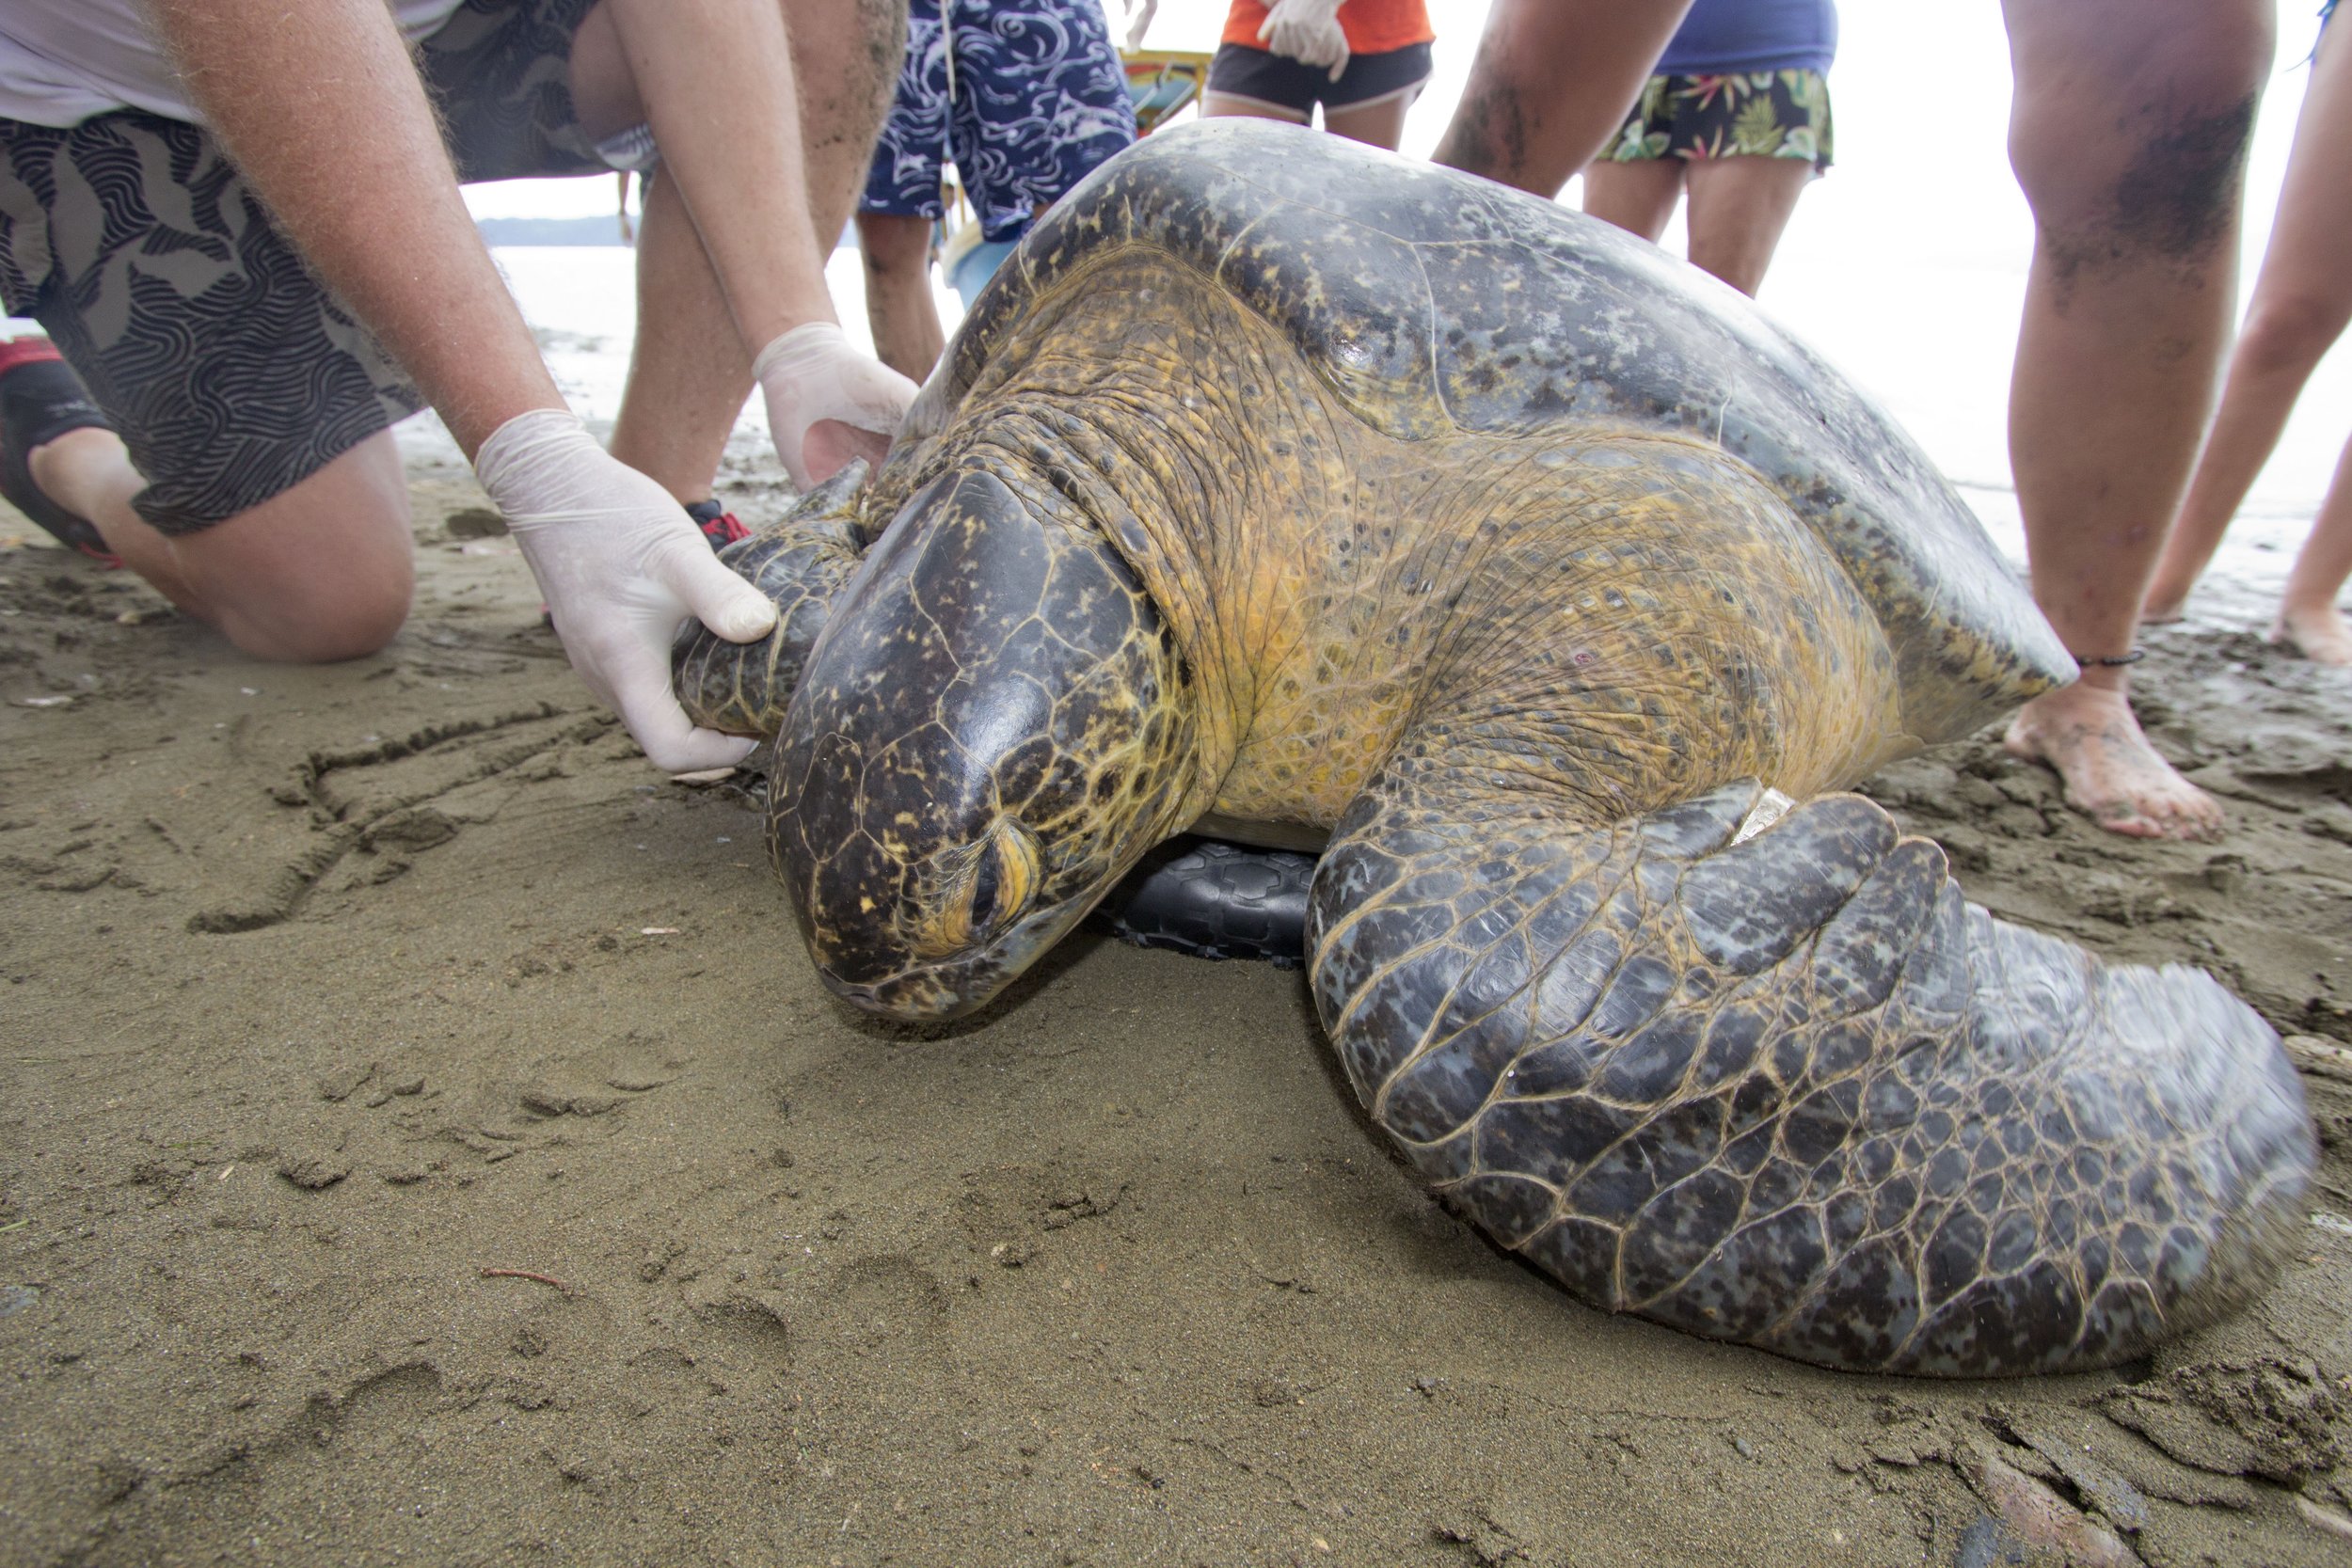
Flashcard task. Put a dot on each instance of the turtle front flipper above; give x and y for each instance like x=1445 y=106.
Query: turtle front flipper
x=802 y=562
x=1790 y=1090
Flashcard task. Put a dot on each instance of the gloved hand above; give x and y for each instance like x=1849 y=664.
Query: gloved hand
x=1307 y=31
x=1139 y=15
x=827 y=403
x=622 y=567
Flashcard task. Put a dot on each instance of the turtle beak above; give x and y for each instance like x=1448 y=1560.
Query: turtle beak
x=986 y=735
x=956 y=988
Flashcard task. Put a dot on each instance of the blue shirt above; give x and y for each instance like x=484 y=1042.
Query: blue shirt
x=1720 y=37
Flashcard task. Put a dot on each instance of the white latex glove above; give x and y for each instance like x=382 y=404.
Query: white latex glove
x=1307 y=31
x=622 y=567
x=827 y=403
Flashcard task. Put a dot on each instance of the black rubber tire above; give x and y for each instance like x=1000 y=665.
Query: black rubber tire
x=1215 y=900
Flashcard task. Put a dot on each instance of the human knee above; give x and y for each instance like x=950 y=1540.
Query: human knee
x=316 y=574
x=2289 y=332
x=847 y=54
x=2172 y=190
x=2149 y=164
x=350 y=619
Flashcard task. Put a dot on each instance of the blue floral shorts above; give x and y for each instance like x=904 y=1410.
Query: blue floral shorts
x=1025 y=97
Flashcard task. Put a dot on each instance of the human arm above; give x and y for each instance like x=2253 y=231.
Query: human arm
x=716 y=81
x=1139 y=15
x=323 y=115
x=321 y=110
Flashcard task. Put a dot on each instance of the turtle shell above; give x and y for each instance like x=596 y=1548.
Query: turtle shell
x=1430 y=302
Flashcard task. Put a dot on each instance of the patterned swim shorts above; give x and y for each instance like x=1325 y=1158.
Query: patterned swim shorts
x=1750 y=114
x=232 y=375
x=1026 y=97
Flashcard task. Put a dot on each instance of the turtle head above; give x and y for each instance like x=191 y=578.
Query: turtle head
x=992 y=729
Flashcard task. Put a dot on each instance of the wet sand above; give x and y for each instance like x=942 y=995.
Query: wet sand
x=423 y=1139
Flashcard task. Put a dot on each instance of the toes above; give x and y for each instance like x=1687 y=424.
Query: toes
x=2184 y=812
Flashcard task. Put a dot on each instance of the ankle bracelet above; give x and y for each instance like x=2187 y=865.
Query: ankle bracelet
x=2088 y=661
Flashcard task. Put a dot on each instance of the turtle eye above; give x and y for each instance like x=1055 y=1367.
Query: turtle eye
x=1004 y=878
x=999 y=878
x=986 y=881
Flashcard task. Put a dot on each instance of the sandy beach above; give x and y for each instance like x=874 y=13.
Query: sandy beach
x=423 y=1139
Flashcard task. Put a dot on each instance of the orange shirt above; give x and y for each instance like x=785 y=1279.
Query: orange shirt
x=1372 y=26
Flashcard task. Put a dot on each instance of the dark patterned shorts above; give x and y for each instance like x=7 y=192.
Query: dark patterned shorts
x=1040 y=99
x=1748 y=114
x=1282 y=83
x=229 y=372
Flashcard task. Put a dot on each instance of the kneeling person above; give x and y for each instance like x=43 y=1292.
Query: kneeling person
x=251 y=282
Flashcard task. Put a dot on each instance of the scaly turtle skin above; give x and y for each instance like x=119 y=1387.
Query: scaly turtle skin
x=1285 y=485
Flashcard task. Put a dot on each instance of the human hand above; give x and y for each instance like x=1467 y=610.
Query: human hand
x=622 y=568
x=827 y=403
x=1139 y=15
x=1307 y=31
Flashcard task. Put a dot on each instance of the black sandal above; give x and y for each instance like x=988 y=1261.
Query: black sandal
x=41 y=399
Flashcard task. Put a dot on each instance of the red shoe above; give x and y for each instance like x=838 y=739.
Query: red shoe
x=719 y=526
x=41 y=399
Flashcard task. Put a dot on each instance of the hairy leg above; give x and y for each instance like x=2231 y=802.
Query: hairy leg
x=1380 y=125
x=715 y=80
x=2302 y=299
x=2129 y=136
x=1738 y=209
x=897 y=256
x=846 y=55
x=690 y=371
x=1636 y=196
x=317 y=573
x=1551 y=81
x=2308 y=618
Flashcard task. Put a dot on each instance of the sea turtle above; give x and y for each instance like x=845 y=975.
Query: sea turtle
x=1340 y=501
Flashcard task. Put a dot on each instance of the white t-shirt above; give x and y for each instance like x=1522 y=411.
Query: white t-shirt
x=62 y=61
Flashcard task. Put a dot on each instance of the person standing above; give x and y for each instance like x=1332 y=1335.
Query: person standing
x=2302 y=299
x=1364 y=61
x=1026 y=98
x=1736 y=114
x=2128 y=131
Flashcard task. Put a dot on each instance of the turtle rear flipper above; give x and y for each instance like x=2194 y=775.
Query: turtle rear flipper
x=802 y=562
x=1790 y=1090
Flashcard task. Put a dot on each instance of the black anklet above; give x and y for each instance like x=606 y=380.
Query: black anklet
x=2132 y=658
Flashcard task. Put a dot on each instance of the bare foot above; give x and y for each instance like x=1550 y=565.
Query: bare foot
x=2320 y=636
x=2111 y=773
x=2163 y=613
